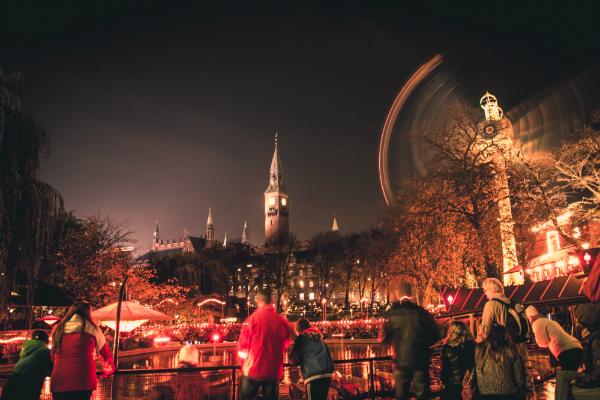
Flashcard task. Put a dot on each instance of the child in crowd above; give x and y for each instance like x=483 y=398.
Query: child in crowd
x=457 y=358
x=27 y=378
x=314 y=357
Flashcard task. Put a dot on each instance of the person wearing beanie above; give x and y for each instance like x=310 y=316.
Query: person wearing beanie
x=549 y=334
x=314 y=357
x=411 y=331
x=34 y=365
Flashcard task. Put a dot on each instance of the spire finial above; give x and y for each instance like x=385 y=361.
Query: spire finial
x=276 y=137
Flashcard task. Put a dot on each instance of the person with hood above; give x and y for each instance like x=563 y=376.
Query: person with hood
x=314 y=357
x=411 y=331
x=34 y=365
x=75 y=339
x=264 y=338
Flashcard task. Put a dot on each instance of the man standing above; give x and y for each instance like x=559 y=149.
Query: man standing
x=262 y=343
x=500 y=310
x=411 y=331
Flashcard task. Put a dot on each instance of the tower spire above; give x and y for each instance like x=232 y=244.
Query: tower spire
x=225 y=240
x=334 y=226
x=276 y=171
x=245 y=233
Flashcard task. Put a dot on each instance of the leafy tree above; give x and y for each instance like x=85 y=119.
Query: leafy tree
x=28 y=206
x=326 y=249
x=278 y=257
x=466 y=168
x=93 y=259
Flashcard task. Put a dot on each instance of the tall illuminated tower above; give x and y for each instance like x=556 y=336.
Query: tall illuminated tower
x=277 y=227
x=495 y=135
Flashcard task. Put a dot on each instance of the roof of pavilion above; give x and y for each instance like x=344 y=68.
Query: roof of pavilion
x=561 y=290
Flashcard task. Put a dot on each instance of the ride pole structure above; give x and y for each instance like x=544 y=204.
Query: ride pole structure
x=118 y=323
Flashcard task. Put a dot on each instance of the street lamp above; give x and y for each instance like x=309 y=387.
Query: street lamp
x=324 y=302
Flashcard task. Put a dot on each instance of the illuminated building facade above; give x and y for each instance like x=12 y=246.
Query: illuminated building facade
x=553 y=254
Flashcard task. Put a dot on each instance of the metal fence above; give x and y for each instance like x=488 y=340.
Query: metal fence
x=358 y=378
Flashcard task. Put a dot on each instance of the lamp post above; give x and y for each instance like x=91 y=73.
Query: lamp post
x=324 y=302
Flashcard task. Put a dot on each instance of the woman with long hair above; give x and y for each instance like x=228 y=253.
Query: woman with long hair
x=499 y=368
x=457 y=358
x=74 y=340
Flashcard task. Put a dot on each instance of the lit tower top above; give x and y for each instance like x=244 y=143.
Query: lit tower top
x=489 y=103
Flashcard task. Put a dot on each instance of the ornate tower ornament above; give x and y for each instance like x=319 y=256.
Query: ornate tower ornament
x=489 y=103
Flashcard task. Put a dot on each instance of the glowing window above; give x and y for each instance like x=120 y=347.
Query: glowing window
x=311 y=296
x=311 y=284
x=553 y=241
x=301 y=296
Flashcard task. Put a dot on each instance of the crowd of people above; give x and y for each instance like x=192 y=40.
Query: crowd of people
x=493 y=362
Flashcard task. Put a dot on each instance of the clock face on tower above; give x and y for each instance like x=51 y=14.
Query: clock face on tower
x=489 y=131
x=284 y=201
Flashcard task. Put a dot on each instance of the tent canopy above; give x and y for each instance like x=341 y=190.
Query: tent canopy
x=130 y=311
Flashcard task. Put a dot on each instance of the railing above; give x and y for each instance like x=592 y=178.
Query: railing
x=358 y=378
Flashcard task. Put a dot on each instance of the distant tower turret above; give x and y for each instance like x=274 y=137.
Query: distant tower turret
x=225 y=240
x=210 y=229
x=335 y=229
x=277 y=228
x=245 y=233
x=156 y=234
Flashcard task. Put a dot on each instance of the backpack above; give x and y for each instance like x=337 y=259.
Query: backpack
x=517 y=324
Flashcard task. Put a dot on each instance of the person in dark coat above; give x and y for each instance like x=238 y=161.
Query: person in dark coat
x=572 y=385
x=314 y=357
x=34 y=365
x=411 y=331
x=588 y=316
x=457 y=356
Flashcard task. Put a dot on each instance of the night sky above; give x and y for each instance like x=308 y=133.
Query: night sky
x=159 y=110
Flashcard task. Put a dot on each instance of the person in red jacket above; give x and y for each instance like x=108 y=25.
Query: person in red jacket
x=261 y=346
x=75 y=339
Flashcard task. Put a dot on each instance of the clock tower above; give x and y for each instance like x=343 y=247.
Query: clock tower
x=277 y=227
x=495 y=135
